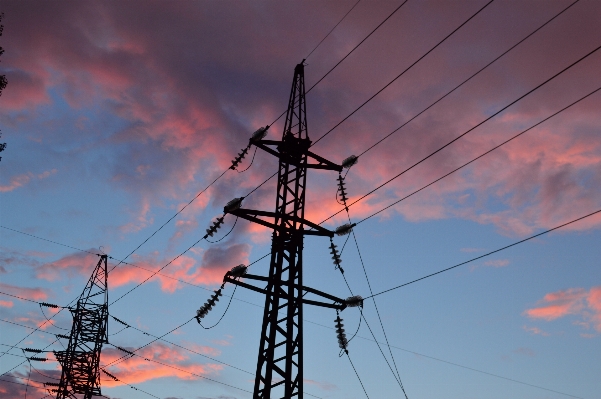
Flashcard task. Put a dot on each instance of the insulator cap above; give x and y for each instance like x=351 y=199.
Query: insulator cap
x=234 y=204
x=354 y=301
x=38 y=359
x=238 y=271
x=259 y=134
x=49 y=305
x=350 y=161
x=62 y=336
x=344 y=229
x=33 y=350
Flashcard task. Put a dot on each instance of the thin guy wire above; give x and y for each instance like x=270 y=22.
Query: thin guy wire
x=354 y=48
x=468 y=79
x=332 y=30
x=402 y=73
x=478 y=157
x=487 y=254
x=465 y=133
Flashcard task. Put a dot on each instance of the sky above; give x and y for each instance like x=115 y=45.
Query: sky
x=118 y=114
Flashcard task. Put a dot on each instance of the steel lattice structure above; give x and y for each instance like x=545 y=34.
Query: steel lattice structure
x=80 y=362
x=280 y=361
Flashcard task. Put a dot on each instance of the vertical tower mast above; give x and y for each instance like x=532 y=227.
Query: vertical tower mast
x=280 y=359
x=80 y=362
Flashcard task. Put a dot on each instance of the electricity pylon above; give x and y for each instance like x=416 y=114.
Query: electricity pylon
x=80 y=362
x=280 y=362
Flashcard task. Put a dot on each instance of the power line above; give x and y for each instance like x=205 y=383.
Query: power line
x=465 y=133
x=45 y=239
x=479 y=156
x=332 y=30
x=487 y=254
x=360 y=43
x=468 y=79
x=402 y=73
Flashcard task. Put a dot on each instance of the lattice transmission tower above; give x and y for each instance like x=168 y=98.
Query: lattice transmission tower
x=80 y=361
x=279 y=372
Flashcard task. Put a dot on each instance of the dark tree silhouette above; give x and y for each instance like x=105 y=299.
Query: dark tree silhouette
x=3 y=81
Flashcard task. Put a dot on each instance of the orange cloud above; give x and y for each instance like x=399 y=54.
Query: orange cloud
x=6 y=304
x=574 y=301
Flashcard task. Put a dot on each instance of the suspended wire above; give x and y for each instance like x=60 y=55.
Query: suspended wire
x=398 y=375
x=183 y=370
x=228 y=233
x=401 y=74
x=129 y=385
x=224 y=313
x=339 y=62
x=45 y=239
x=144 y=346
x=465 y=133
x=332 y=30
x=357 y=374
x=324 y=326
x=260 y=185
x=453 y=364
x=354 y=48
x=468 y=79
x=372 y=333
x=171 y=218
x=251 y=163
x=52 y=323
x=487 y=254
x=479 y=156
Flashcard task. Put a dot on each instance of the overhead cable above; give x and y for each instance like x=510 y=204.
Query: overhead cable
x=478 y=157
x=332 y=30
x=468 y=79
x=401 y=74
x=465 y=133
x=487 y=254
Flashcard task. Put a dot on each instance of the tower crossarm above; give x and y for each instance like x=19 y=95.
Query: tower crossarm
x=282 y=151
x=252 y=215
x=339 y=304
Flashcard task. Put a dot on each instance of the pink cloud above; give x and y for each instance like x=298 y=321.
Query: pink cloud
x=497 y=263
x=23 y=179
x=35 y=294
x=6 y=304
x=536 y=331
x=575 y=301
x=137 y=369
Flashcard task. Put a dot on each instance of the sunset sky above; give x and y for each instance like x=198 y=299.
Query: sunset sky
x=117 y=114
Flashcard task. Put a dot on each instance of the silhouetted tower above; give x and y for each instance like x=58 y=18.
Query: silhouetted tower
x=280 y=362
x=80 y=362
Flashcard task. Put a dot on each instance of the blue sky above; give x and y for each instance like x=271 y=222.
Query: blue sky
x=116 y=115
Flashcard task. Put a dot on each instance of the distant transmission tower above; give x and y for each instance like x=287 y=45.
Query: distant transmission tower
x=80 y=362
x=280 y=362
